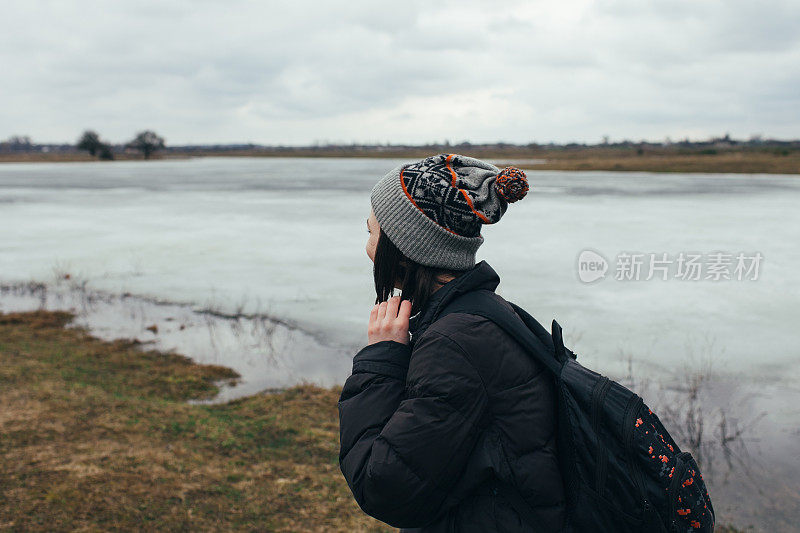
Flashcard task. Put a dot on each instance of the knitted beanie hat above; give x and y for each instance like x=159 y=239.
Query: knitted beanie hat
x=432 y=210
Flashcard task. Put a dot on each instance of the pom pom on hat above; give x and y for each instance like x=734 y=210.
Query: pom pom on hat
x=511 y=184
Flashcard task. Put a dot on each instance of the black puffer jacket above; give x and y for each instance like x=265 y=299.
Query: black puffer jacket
x=426 y=428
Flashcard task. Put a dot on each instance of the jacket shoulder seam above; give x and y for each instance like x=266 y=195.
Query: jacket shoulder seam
x=436 y=326
x=466 y=356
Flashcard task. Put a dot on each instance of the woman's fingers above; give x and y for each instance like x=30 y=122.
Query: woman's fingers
x=405 y=310
x=391 y=307
x=389 y=321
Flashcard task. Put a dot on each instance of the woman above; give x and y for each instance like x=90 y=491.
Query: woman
x=446 y=424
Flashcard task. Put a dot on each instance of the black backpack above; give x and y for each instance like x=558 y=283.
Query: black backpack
x=622 y=470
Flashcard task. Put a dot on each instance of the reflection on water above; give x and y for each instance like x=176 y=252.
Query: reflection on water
x=742 y=434
x=266 y=351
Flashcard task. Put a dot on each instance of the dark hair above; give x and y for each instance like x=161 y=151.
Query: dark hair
x=417 y=282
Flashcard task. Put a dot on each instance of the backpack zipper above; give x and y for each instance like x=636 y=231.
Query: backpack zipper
x=631 y=410
x=598 y=399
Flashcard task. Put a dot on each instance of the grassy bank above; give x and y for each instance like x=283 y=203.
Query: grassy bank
x=98 y=435
x=708 y=161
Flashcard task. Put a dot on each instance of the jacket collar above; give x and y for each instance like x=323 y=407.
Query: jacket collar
x=481 y=276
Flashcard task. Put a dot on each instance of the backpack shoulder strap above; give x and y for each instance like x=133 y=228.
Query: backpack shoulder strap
x=521 y=326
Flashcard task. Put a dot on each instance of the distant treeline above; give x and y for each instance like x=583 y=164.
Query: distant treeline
x=145 y=142
x=718 y=142
x=148 y=143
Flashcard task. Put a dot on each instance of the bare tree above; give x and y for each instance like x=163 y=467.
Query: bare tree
x=90 y=141
x=147 y=142
x=17 y=143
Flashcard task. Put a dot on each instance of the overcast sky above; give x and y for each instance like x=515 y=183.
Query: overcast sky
x=301 y=72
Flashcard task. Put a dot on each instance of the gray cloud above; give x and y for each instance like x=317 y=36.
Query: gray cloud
x=272 y=72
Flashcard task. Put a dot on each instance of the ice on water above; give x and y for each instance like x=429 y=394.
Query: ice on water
x=285 y=237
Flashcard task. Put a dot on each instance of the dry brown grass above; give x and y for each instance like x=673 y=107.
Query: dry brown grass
x=665 y=159
x=98 y=436
x=721 y=162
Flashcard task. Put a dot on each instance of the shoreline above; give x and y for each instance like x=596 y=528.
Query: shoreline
x=717 y=161
x=758 y=447
x=268 y=352
x=102 y=432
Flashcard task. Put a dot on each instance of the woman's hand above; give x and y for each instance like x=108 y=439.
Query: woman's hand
x=388 y=321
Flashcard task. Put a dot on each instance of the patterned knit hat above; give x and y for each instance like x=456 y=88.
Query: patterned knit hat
x=432 y=210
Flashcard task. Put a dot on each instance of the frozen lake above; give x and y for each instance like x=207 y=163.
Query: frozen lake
x=280 y=242
x=287 y=235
